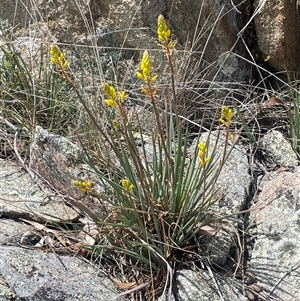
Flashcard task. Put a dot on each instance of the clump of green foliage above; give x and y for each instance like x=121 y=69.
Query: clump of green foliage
x=33 y=96
x=156 y=203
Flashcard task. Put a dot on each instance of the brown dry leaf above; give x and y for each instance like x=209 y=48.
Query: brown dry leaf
x=125 y=285
x=41 y=227
x=272 y=101
x=207 y=231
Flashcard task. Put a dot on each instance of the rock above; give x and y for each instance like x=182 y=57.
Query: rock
x=278 y=150
x=234 y=179
x=59 y=161
x=277 y=39
x=275 y=257
x=195 y=286
x=21 y=198
x=7 y=294
x=36 y=276
x=208 y=28
x=202 y=286
x=12 y=231
x=219 y=246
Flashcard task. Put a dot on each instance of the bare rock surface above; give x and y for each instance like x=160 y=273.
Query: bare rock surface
x=58 y=160
x=195 y=286
x=36 y=276
x=277 y=37
x=21 y=198
x=275 y=257
x=234 y=180
x=278 y=149
x=201 y=286
x=12 y=231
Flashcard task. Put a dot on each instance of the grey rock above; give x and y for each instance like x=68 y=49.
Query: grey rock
x=202 y=286
x=234 y=180
x=278 y=149
x=277 y=39
x=12 y=231
x=275 y=257
x=36 y=276
x=6 y=293
x=21 y=198
x=59 y=161
x=220 y=244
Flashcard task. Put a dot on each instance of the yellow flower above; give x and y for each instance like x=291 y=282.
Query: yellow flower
x=163 y=32
x=226 y=115
x=110 y=102
x=110 y=91
x=146 y=65
x=202 y=154
x=126 y=184
x=57 y=57
x=122 y=96
x=145 y=72
x=84 y=186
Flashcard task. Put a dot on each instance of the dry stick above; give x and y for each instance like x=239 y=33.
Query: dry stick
x=215 y=281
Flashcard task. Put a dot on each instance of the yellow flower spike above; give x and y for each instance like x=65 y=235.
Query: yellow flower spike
x=57 y=57
x=65 y=64
x=110 y=91
x=226 y=115
x=126 y=184
x=163 y=32
x=122 y=96
x=146 y=65
x=84 y=186
x=110 y=102
x=202 y=154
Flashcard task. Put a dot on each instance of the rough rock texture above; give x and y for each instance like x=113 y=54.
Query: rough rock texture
x=36 y=276
x=12 y=231
x=207 y=27
x=57 y=160
x=278 y=149
x=20 y=197
x=132 y=24
x=234 y=180
x=195 y=286
x=275 y=257
x=278 y=39
x=201 y=286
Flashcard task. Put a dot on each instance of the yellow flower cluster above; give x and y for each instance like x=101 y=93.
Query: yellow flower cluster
x=57 y=57
x=163 y=32
x=113 y=96
x=145 y=72
x=202 y=154
x=84 y=186
x=226 y=116
x=126 y=184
